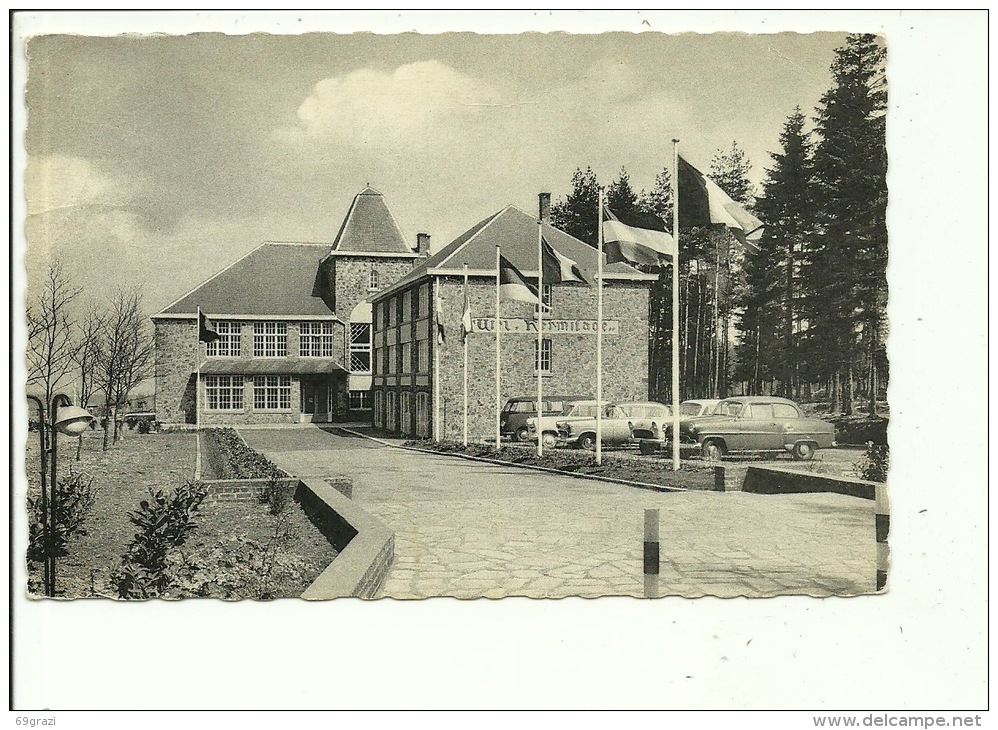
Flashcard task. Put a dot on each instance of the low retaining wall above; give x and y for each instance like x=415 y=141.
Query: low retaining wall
x=242 y=490
x=773 y=480
x=366 y=547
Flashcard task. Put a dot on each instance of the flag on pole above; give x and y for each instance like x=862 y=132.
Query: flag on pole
x=558 y=268
x=466 y=314
x=703 y=203
x=206 y=329
x=441 y=337
x=513 y=285
x=636 y=244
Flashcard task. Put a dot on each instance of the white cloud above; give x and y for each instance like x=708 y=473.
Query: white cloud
x=56 y=182
x=368 y=108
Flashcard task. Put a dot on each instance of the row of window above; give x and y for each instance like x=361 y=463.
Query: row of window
x=316 y=339
x=270 y=393
x=396 y=359
x=394 y=411
x=405 y=307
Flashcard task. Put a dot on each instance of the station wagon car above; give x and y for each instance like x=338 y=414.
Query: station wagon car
x=517 y=411
x=577 y=411
x=758 y=423
x=581 y=433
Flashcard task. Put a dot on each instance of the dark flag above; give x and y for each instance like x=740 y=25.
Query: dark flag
x=206 y=329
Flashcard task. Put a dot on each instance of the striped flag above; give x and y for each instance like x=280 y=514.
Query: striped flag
x=558 y=268
x=441 y=338
x=466 y=315
x=513 y=285
x=636 y=245
x=703 y=203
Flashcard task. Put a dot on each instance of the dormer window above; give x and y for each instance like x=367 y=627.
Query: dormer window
x=373 y=284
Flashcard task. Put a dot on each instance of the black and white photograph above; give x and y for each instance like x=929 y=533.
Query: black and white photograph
x=377 y=320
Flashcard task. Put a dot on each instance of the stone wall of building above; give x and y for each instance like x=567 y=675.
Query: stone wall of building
x=175 y=364
x=353 y=276
x=573 y=372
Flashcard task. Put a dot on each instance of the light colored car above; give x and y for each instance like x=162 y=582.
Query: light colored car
x=579 y=410
x=697 y=407
x=758 y=423
x=648 y=420
x=581 y=432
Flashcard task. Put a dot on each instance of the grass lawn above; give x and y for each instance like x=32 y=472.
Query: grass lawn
x=124 y=475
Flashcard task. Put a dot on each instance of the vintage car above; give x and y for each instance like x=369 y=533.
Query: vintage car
x=577 y=410
x=758 y=423
x=698 y=407
x=517 y=411
x=621 y=423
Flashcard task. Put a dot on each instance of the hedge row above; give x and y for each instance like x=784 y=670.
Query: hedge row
x=228 y=457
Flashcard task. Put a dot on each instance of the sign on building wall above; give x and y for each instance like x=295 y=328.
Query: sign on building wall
x=549 y=326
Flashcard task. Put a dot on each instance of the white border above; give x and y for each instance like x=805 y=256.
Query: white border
x=921 y=646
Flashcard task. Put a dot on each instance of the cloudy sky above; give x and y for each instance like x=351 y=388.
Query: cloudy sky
x=156 y=161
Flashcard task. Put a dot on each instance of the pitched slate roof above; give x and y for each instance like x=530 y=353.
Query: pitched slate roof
x=516 y=234
x=370 y=227
x=273 y=279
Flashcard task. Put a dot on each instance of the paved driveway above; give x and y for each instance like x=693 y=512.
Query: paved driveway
x=468 y=529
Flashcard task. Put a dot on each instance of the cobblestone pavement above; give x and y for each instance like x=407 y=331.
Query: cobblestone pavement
x=469 y=529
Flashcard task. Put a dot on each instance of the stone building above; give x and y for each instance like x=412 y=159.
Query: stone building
x=410 y=360
x=295 y=327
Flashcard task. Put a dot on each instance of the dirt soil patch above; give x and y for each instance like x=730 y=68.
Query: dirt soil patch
x=124 y=475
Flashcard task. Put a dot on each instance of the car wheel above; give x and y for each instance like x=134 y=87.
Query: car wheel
x=803 y=451
x=522 y=434
x=587 y=442
x=712 y=450
x=550 y=440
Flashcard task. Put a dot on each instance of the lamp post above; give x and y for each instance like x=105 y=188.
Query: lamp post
x=72 y=421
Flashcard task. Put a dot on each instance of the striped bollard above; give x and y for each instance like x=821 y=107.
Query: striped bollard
x=883 y=526
x=651 y=553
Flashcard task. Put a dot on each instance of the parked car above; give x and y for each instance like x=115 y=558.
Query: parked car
x=515 y=414
x=758 y=423
x=577 y=410
x=581 y=432
x=697 y=407
x=648 y=420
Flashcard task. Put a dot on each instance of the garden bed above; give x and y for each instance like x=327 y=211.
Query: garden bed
x=224 y=455
x=616 y=465
x=231 y=536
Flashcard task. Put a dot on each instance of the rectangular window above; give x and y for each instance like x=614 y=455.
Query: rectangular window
x=360 y=400
x=272 y=393
x=391 y=415
x=424 y=301
x=270 y=339
x=547 y=299
x=423 y=356
x=373 y=281
x=545 y=358
x=379 y=408
x=406 y=357
x=407 y=306
x=392 y=312
x=360 y=347
x=229 y=342
x=224 y=392
x=316 y=339
x=405 y=414
x=423 y=414
x=392 y=367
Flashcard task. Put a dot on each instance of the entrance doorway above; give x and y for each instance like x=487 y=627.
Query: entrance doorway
x=315 y=405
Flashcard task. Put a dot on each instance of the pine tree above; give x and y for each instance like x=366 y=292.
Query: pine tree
x=621 y=198
x=658 y=200
x=577 y=214
x=730 y=170
x=846 y=271
x=772 y=294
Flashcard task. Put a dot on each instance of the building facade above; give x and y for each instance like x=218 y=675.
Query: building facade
x=419 y=349
x=295 y=328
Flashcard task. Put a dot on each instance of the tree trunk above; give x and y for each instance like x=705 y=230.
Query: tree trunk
x=834 y=406
x=107 y=423
x=847 y=394
x=873 y=372
x=79 y=446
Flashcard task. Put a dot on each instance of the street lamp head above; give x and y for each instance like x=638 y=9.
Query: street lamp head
x=73 y=420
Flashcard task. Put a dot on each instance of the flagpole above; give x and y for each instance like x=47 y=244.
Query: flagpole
x=464 y=314
x=436 y=362
x=498 y=406
x=599 y=336
x=540 y=332
x=197 y=395
x=675 y=307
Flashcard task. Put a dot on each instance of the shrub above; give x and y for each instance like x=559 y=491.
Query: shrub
x=277 y=493
x=75 y=499
x=874 y=464
x=164 y=523
x=232 y=459
x=145 y=425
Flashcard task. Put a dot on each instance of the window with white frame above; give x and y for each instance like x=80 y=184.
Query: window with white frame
x=316 y=339
x=391 y=415
x=405 y=413
x=360 y=400
x=545 y=356
x=407 y=306
x=423 y=306
x=224 y=392
x=272 y=393
x=423 y=356
x=379 y=408
x=392 y=308
x=392 y=367
x=406 y=357
x=422 y=414
x=229 y=340
x=360 y=347
x=270 y=339
x=546 y=298
x=373 y=283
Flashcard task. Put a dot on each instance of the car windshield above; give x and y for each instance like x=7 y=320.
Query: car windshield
x=728 y=408
x=587 y=410
x=690 y=409
x=647 y=411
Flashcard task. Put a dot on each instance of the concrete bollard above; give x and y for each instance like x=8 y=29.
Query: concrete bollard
x=882 y=511
x=651 y=554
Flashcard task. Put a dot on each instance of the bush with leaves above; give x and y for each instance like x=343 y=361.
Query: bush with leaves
x=875 y=462
x=145 y=426
x=75 y=496
x=230 y=458
x=165 y=522
x=277 y=493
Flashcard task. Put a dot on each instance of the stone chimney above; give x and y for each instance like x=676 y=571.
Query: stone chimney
x=544 y=207
x=423 y=244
